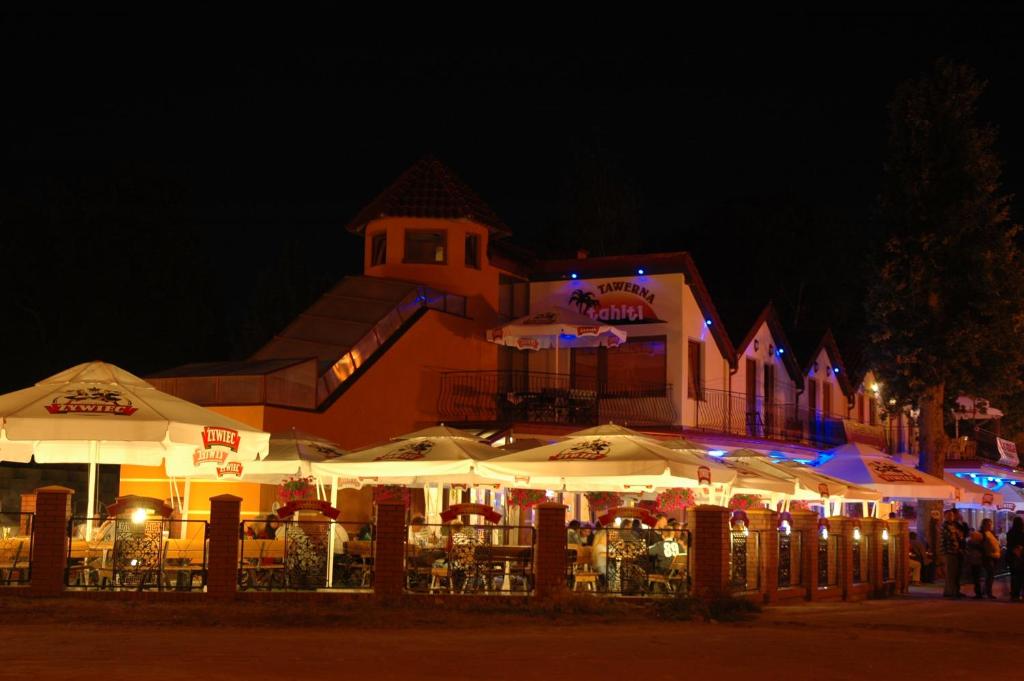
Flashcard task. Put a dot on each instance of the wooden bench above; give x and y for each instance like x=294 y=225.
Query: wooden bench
x=261 y=561
x=184 y=561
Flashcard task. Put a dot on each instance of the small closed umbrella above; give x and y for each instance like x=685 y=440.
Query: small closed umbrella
x=556 y=328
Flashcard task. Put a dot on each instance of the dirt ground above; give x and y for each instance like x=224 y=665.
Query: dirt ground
x=919 y=636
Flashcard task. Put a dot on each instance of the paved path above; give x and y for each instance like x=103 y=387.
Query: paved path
x=892 y=639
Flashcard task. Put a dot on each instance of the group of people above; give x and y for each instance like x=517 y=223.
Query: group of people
x=625 y=553
x=972 y=553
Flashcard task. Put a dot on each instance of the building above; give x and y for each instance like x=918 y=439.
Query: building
x=403 y=346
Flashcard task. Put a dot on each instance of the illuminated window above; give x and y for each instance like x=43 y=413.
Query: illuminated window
x=379 y=249
x=426 y=247
x=473 y=251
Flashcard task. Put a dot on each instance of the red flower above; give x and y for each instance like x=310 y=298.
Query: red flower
x=675 y=499
x=525 y=498
x=603 y=500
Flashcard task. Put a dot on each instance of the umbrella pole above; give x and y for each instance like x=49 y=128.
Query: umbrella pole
x=91 y=503
x=330 y=539
x=185 y=504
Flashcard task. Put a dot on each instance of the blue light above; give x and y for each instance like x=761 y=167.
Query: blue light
x=974 y=475
x=716 y=452
x=835 y=370
x=707 y=322
x=803 y=461
x=781 y=352
x=574 y=275
x=640 y=271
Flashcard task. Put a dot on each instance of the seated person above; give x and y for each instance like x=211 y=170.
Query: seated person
x=920 y=559
x=600 y=551
x=573 y=534
x=419 y=535
x=365 y=532
x=586 y=534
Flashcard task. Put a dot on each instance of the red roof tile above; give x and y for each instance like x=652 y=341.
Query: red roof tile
x=429 y=189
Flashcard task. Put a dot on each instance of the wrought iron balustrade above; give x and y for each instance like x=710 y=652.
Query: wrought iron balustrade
x=508 y=396
x=732 y=413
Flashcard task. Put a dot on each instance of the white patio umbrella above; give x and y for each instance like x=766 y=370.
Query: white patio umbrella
x=866 y=466
x=97 y=413
x=967 y=494
x=608 y=458
x=555 y=328
x=437 y=453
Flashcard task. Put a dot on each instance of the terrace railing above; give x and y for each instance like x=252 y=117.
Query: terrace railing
x=125 y=554
x=15 y=548
x=790 y=564
x=524 y=396
x=470 y=559
x=298 y=557
x=732 y=413
x=745 y=560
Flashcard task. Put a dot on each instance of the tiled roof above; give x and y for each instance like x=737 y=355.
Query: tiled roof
x=429 y=189
x=246 y=368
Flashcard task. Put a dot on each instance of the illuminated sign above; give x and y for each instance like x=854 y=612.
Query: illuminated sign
x=621 y=302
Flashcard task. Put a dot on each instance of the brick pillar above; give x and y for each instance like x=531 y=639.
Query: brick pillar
x=49 y=543
x=710 y=550
x=549 y=559
x=899 y=531
x=805 y=523
x=389 y=549
x=842 y=527
x=872 y=527
x=765 y=524
x=222 y=566
x=28 y=505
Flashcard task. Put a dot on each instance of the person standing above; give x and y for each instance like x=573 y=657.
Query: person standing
x=951 y=543
x=990 y=550
x=1015 y=557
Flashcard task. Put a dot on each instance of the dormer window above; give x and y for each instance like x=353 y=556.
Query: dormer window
x=426 y=246
x=379 y=249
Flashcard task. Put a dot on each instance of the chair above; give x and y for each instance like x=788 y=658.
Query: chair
x=184 y=560
x=669 y=580
x=10 y=551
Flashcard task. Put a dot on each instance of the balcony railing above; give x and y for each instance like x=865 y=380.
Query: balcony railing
x=721 y=411
x=510 y=396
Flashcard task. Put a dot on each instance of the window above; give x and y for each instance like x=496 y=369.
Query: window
x=379 y=249
x=695 y=370
x=426 y=247
x=473 y=251
x=636 y=366
x=769 y=384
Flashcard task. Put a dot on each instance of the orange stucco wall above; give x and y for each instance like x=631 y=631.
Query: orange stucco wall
x=480 y=286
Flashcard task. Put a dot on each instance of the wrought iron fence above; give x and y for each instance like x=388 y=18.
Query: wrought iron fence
x=469 y=559
x=299 y=555
x=860 y=552
x=126 y=553
x=745 y=560
x=723 y=411
x=15 y=548
x=507 y=396
x=627 y=562
x=829 y=560
x=790 y=563
x=891 y=548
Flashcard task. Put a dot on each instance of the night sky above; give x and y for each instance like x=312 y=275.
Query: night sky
x=177 y=191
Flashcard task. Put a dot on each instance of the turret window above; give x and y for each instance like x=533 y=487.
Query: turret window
x=379 y=249
x=426 y=247
x=473 y=251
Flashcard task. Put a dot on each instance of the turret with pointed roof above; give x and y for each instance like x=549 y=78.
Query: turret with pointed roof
x=429 y=189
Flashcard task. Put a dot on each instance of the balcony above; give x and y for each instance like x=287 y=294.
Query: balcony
x=730 y=413
x=521 y=396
